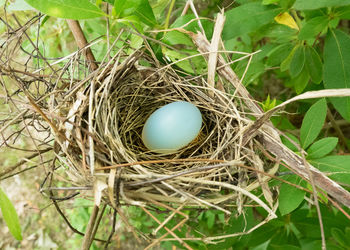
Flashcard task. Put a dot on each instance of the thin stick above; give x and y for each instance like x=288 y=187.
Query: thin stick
x=82 y=42
x=88 y=234
x=193 y=8
x=12 y=168
x=168 y=230
x=187 y=6
x=113 y=228
x=315 y=196
x=162 y=225
x=99 y=218
x=337 y=129
x=91 y=129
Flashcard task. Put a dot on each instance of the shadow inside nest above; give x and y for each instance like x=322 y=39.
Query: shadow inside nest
x=127 y=103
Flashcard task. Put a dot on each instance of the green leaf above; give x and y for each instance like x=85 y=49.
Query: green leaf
x=278 y=54
x=187 y=23
x=119 y=6
x=10 y=216
x=291 y=142
x=286 y=63
x=194 y=64
x=340 y=237
x=313 y=27
x=316 y=4
x=338 y=167
x=297 y=62
x=336 y=68
x=131 y=21
x=69 y=9
x=322 y=147
x=301 y=81
x=343 y=13
x=175 y=37
x=267 y=2
x=140 y=8
x=290 y=197
x=313 y=64
x=313 y=122
x=247 y=18
x=286 y=4
x=210 y=218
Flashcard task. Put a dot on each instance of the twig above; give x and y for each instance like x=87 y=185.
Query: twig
x=67 y=221
x=296 y=163
x=82 y=42
x=168 y=230
x=337 y=129
x=89 y=229
x=113 y=228
x=67 y=188
x=193 y=8
x=24 y=170
x=12 y=168
x=187 y=6
x=99 y=218
x=64 y=198
x=315 y=196
x=162 y=225
x=33 y=44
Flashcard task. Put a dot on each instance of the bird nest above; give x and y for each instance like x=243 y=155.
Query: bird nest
x=102 y=145
x=212 y=171
x=96 y=121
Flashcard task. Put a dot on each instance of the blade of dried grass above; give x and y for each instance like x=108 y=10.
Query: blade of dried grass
x=214 y=47
x=308 y=95
x=111 y=178
x=264 y=185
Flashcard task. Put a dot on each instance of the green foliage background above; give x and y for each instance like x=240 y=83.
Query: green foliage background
x=310 y=52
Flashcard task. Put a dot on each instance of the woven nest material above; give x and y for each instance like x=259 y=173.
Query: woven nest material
x=213 y=171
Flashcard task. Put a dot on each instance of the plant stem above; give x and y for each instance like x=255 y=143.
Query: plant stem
x=166 y=25
x=296 y=17
x=88 y=234
x=82 y=43
x=337 y=129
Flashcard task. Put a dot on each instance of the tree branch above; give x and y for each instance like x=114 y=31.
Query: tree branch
x=82 y=43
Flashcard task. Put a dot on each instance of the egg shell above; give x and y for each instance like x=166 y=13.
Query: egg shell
x=172 y=127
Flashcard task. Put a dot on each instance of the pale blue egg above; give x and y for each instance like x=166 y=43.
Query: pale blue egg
x=172 y=127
